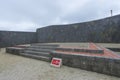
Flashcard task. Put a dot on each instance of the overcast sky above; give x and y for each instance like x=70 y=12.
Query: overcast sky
x=27 y=15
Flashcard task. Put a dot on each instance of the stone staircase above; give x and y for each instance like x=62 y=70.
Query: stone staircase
x=39 y=51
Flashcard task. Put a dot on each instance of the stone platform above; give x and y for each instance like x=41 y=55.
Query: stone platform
x=93 y=58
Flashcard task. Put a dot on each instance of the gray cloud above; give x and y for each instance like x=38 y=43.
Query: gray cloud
x=27 y=15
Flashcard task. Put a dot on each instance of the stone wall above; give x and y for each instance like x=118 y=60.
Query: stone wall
x=97 y=64
x=104 y=30
x=11 y=38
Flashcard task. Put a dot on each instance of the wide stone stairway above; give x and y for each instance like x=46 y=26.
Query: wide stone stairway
x=39 y=51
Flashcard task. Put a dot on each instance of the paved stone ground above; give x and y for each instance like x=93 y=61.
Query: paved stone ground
x=13 y=67
x=85 y=45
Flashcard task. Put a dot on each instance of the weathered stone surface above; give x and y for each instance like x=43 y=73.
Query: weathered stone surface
x=115 y=49
x=14 y=50
x=12 y=38
x=110 y=66
x=80 y=50
x=39 y=51
x=104 y=30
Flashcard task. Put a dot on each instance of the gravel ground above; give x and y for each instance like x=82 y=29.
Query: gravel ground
x=13 y=67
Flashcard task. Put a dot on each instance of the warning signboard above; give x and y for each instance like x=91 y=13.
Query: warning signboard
x=56 y=62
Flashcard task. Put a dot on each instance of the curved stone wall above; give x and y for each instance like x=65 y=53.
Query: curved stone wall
x=104 y=30
x=11 y=38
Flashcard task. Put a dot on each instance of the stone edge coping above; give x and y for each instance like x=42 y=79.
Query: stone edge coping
x=84 y=55
x=80 y=50
x=14 y=48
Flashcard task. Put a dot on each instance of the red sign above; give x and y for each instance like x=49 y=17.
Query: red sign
x=56 y=62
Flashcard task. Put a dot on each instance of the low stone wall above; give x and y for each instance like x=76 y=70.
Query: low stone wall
x=115 y=49
x=108 y=66
x=81 y=50
x=14 y=50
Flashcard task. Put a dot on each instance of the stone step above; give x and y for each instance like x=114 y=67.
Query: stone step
x=42 y=47
x=39 y=50
x=36 y=57
x=45 y=45
x=80 y=50
x=37 y=53
x=14 y=50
